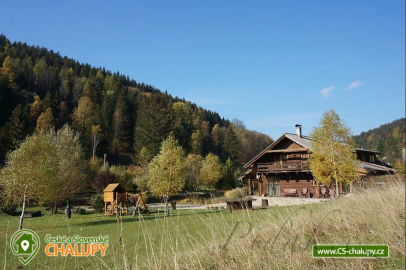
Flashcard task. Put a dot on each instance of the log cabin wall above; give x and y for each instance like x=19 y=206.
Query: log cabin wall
x=287 y=144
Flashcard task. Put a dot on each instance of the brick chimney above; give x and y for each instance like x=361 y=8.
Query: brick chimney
x=298 y=130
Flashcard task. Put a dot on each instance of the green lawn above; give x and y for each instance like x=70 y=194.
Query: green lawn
x=272 y=238
x=146 y=239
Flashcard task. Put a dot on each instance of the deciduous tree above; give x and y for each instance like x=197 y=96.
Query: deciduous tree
x=83 y=115
x=166 y=171
x=70 y=176
x=28 y=167
x=211 y=170
x=333 y=158
x=45 y=121
x=96 y=133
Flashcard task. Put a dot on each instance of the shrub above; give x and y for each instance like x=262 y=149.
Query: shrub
x=236 y=193
x=79 y=211
x=9 y=209
x=98 y=203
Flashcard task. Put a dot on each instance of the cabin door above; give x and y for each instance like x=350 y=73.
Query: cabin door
x=254 y=187
x=273 y=186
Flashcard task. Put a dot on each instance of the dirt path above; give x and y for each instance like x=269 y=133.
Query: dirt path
x=272 y=201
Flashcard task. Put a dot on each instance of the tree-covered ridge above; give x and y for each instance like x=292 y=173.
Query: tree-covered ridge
x=40 y=89
x=387 y=139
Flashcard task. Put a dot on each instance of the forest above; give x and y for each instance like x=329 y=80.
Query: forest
x=114 y=114
x=387 y=139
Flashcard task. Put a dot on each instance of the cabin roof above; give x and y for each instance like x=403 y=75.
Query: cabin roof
x=304 y=141
x=111 y=187
x=372 y=167
x=366 y=150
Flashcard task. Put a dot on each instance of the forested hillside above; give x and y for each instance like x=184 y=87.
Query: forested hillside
x=388 y=140
x=39 y=89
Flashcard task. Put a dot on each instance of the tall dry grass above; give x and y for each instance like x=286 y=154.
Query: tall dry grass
x=282 y=239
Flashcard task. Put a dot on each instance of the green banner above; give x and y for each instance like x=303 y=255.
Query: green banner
x=350 y=251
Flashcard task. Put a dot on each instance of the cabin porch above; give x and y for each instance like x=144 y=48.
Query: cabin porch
x=284 y=185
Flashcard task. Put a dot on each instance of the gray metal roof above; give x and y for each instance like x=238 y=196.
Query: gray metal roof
x=304 y=141
x=374 y=167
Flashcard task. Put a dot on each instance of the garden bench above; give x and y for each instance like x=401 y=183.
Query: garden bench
x=290 y=192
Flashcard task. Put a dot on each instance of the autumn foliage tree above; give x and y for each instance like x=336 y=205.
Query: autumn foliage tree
x=47 y=167
x=166 y=171
x=45 y=121
x=333 y=159
x=21 y=179
x=211 y=170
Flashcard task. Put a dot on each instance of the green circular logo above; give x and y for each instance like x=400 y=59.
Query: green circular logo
x=25 y=244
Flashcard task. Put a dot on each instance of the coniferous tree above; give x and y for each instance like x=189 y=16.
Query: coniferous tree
x=227 y=180
x=182 y=123
x=193 y=165
x=152 y=124
x=128 y=112
x=7 y=98
x=17 y=128
x=232 y=145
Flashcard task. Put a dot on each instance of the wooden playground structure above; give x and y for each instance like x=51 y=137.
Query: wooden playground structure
x=118 y=201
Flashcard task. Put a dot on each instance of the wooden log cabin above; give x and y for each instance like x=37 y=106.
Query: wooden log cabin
x=283 y=168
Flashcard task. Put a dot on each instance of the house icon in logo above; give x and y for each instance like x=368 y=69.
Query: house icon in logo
x=24 y=244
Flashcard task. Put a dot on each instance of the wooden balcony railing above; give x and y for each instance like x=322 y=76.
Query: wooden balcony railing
x=284 y=166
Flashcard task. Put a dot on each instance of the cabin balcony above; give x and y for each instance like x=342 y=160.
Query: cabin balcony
x=289 y=166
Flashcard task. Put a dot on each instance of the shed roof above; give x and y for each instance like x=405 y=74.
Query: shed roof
x=111 y=187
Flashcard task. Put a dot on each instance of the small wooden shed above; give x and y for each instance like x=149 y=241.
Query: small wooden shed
x=114 y=194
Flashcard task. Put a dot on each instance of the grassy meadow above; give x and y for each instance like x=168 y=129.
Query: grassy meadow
x=272 y=238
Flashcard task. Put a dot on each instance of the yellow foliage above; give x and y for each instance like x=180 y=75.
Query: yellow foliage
x=333 y=158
